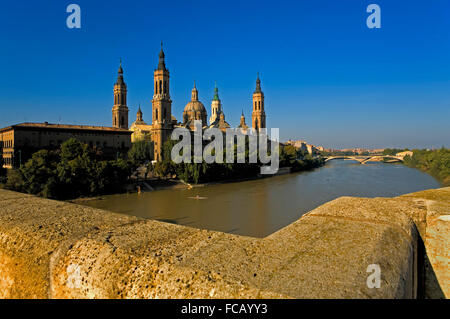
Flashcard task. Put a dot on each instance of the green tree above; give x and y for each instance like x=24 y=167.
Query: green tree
x=39 y=174
x=288 y=155
x=434 y=162
x=141 y=152
x=14 y=180
x=76 y=169
x=72 y=171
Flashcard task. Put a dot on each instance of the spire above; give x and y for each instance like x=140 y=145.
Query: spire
x=258 y=85
x=216 y=93
x=120 y=74
x=242 y=123
x=161 y=64
x=194 y=93
x=139 y=114
x=120 y=71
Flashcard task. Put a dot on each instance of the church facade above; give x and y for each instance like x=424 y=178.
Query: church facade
x=163 y=122
x=18 y=142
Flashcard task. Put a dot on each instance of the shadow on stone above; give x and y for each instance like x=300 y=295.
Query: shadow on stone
x=170 y=221
x=432 y=288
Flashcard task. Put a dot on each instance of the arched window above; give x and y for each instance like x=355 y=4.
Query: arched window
x=164 y=113
x=122 y=121
x=156 y=87
x=156 y=114
x=160 y=86
x=255 y=105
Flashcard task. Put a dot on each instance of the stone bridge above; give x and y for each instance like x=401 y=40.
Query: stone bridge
x=370 y=158
x=53 y=249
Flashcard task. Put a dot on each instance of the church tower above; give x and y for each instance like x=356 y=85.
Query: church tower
x=216 y=106
x=161 y=107
x=139 y=116
x=258 y=114
x=120 y=109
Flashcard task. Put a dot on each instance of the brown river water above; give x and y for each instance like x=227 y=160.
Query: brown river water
x=260 y=207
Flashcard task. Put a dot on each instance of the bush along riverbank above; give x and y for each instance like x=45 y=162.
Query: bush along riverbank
x=434 y=162
x=204 y=172
x=75 y=170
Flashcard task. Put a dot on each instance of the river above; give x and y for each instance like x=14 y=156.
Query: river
x=260 y=207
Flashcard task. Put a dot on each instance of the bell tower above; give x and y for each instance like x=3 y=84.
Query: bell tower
x=258 y=114
x=120 y=109
x=161 y=107
x=216 y=106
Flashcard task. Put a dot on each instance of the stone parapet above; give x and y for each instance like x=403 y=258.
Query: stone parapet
x=52 y=249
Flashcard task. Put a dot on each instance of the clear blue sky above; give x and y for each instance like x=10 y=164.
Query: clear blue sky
x=327 y=78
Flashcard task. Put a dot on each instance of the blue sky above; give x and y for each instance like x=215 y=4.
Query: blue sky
x=327 y=78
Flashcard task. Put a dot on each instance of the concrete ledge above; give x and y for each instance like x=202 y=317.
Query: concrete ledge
x=51 y=249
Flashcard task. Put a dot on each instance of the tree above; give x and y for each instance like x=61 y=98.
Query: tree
x=39 y=173
x=141 y=152
x=76 y=169
x=72 y=171
x=14 y=180
x=288 y=155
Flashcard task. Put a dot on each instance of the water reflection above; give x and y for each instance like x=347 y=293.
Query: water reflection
x=260 y=207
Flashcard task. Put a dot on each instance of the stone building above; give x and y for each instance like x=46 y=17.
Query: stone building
x=242 y=125
x=217 y=119
x=120 y=109
x=220 y=123
x=141 y=130
x=163 y=121
x=18 y=142
x=161 y=107
x=258 y=114
x=216 y=106
x=194 y=110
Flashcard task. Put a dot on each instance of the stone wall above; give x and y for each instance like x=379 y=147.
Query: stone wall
x=51 y=249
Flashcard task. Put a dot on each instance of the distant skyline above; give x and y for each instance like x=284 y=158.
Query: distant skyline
x=327 y=78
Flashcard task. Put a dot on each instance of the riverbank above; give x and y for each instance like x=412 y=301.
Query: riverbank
x=434 y=162
x=259 y=206
x=173 y=184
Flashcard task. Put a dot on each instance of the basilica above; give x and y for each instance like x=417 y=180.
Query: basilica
x=163 y=122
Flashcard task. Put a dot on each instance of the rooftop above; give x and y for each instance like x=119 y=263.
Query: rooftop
x=63 y=126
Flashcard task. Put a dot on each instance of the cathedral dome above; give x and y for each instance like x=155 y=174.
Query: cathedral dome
x=195 y=106
x=194 y=110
